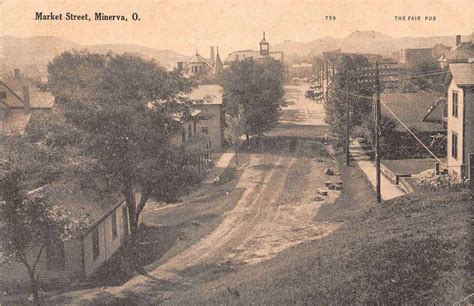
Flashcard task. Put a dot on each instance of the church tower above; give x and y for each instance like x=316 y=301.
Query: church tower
x=218 y=66
x=264 y=46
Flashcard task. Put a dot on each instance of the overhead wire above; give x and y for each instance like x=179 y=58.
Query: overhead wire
x=402 y=123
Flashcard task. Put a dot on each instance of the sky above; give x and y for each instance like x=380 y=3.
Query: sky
x=189 y=25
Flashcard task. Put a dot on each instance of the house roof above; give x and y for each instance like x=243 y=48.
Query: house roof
x=15 y=103
x=85 y=207
x=207 y=94
x=38 y=98
x=239 y=55
x=242 y=54
x=463 y=74
x=461 y=52
x=412 y=108
x=197 y=58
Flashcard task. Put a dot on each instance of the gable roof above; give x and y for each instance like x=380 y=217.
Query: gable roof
x=15 y=103
x=197 y=58
x=461 y=53
x=208 y=94
x=463 y=74
x=38 y=98
x=412 y=108
x=82 y=206
x=435 y=112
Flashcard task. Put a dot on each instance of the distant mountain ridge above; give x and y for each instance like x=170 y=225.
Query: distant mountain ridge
x=32 y=54
x=363 y=42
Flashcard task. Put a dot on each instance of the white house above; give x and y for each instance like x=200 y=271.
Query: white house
x=461 y=121
x=106 y=228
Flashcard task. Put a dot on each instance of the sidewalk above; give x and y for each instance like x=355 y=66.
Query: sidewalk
x=220 y=166
x=387 y=188
x=363 y=162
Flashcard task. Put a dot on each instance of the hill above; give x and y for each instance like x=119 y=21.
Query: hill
x=32 y=54
x=362 y=42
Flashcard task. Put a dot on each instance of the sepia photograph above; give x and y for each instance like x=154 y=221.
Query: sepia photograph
x=236 y=152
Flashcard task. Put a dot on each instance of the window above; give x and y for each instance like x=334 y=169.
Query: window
x=95 y=243
x=125 y=220
x=3 y=95
x=205 y=130
x=114 y=224
x=55 y=255
x=183 y=136
x=190 y=133
x=455 y=104
x=454 y=146
x=194 y=126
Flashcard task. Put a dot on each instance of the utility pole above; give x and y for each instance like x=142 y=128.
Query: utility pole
x=327 y=81
x=348 y=157
x=377 y=114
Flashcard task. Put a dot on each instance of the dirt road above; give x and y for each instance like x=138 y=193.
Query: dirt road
x=269 y=209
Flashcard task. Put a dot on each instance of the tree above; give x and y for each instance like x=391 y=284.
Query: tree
x=123 y=106
x=29 y=223
x=235 y=128
x=424 y=76
x=345 y=90
x=258 y=89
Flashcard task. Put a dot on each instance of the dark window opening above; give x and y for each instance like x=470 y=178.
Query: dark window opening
x=55 y=255
x=454 y=147
x=205 y=130
x=114 y=224
x=183 y=136
x=95 y=243
x=455 y=104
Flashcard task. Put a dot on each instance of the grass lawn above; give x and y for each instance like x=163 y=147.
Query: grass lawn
x=410 y=166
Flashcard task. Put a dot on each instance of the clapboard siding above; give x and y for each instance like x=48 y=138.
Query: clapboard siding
x=16 y=271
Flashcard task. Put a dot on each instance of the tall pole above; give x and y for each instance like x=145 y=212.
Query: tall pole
x=327 y=81
x=377 y=131
x=348 y=157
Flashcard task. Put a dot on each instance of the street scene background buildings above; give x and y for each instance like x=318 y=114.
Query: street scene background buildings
x=325 y=169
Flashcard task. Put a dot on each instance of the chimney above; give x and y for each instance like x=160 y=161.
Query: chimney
x=16 y=73
x=26 y=98
x=458 y=40
x=212 y=55
x=180 y=66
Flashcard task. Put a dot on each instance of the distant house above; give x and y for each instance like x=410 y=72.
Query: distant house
x=423 y=111
x=461 y=121
x=212 y=118
x=462 y=52
x=106 y=226
x=206 y=123
x=202 y=68
x=19 y=99
x=264 y=53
